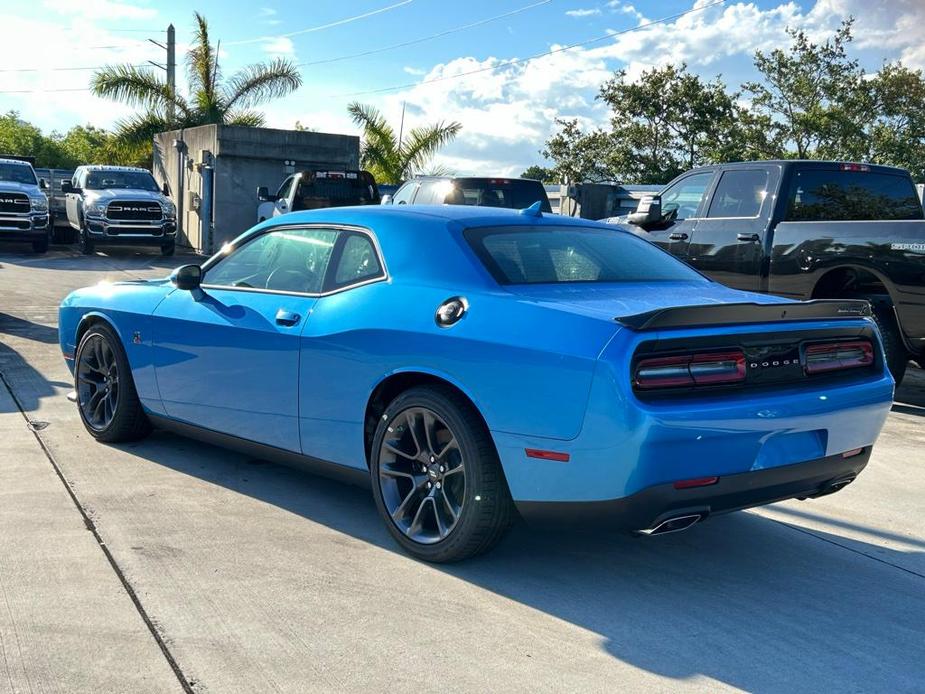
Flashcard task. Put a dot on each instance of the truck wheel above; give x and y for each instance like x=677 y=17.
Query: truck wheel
x=168 y=248
x=895 y=353
x=85 y=242
x=40 y=245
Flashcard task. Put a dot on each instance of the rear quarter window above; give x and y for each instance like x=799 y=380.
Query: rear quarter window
x=556 y=255
x=818 y=195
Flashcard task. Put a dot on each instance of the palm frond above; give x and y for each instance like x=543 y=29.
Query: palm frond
x=202 y=62
x=375 y=127
x=140 y=129
x=257 y=84
x=136 y=87
x=424 y=142
x=250 y=119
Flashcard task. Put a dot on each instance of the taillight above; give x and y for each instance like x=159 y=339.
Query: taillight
x=855 y=167
x=835 y=356
x=676 y=371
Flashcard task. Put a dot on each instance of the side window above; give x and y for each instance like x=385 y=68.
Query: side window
x=403 y=195
x=824 y=195
x=358 y=261
x=739 y=194
x=288 y=260
x=425 y=195
x=285 y=189
x=686 y=195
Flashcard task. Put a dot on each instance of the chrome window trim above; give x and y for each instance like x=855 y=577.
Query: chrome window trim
x=300 y=227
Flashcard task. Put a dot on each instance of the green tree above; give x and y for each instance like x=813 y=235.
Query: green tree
x=21 y=138
x=813 y=98
x=579 y=156
x=897 y=136
x=211 y=99
x=540 y=173
x=392 y=160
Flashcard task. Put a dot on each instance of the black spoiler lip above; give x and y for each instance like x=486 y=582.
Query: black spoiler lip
x=712 y=315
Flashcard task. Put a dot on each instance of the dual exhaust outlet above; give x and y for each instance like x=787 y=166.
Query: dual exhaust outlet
x=674 y=524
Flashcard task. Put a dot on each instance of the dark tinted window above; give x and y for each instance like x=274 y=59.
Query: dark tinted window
x=17 y=173
x=493 y=192
x=358 y=261
x=566 y=254
x=823 y=195
x=335 y=189
x=739 y=193
x=126 y=180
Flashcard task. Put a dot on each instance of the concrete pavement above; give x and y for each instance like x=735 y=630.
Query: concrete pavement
x=259 y=578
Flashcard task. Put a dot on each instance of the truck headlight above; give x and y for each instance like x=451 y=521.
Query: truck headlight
x=40 y=204
x=170 y=210
x=97 y=209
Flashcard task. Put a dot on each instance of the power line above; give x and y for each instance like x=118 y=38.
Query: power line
x=59 y=69
x=422 y=39
x=329 y=25
x=517 y=61
x=42 y=91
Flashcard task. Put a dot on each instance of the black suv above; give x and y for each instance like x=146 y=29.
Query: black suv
x=514 y=193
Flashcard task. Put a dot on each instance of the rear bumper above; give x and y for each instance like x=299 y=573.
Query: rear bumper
x=652 y=505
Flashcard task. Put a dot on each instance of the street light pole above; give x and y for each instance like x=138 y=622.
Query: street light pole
x=171 y=68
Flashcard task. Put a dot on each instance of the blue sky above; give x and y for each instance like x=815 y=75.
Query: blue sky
x=506 y=112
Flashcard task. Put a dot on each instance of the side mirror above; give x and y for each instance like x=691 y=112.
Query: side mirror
x=165 y=189
x=66 y=187
x=386 y=200
x=263 y=194
x=648 y=212
x=43 y=184
x=187 y=277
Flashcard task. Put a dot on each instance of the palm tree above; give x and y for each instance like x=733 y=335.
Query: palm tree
x=392 y=160
x=210 y=100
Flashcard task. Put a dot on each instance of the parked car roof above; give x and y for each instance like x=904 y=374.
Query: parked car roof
x=113 y=167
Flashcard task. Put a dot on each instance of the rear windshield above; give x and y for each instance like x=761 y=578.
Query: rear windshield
x=17 y=173
x=818 y=195
x=336 y=190
x=555 y=255
x=494 y=192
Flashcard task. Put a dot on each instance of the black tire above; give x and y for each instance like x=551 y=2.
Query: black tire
x=895 y=353
x=128 y=421
x=486 y=508
x=40 y=245
x=168 y=249
x=85 y=242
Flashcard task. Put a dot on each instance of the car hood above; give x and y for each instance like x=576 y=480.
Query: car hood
x=618 y=300
x=122 y=194
x=13 y=187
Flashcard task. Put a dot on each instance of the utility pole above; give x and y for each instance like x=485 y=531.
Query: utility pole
x=171 y=67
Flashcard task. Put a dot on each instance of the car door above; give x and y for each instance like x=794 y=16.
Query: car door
x=728 y=243
x=71 y=201
x=227 y=355
x=281 y=206
x=682 y=202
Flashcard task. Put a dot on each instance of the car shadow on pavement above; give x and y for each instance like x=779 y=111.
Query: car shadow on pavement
x=744 y=599
x=20 y=327
x=910 y=395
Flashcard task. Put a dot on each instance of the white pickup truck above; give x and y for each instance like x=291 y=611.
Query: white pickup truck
x=114 y=205
x=23 y=205
x=310 y=190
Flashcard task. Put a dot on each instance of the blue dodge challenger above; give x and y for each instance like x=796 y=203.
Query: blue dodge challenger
x=473 y=364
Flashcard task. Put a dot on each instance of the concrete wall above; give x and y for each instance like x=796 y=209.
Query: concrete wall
x=243 y=159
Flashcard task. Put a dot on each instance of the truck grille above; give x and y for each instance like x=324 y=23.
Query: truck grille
x=133 y=211
x=15 y=203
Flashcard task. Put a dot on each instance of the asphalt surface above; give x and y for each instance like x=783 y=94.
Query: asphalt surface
x=170 y=565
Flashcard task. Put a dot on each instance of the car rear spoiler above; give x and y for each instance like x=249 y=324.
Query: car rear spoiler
x=741 y=314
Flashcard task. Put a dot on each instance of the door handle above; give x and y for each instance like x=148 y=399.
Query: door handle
x=288 y=318
x=677 y=236
x=747 y=237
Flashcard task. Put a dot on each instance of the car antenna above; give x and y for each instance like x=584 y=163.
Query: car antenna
x=535 y=210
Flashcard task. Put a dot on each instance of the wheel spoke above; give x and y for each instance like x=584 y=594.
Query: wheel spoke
x=389 y=471
x=412 y=421
x=450 y=445
x=416 y=521
x=454 y=470
x=392 y=449
x=429 y=422
x=441 y=528
x=454 y=514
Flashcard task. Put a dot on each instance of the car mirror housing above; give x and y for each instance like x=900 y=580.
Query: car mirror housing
x=43 y=184
x=648 y=212
x=66 y=187
x=386 y=199
x=263 y=195
x=187 y=277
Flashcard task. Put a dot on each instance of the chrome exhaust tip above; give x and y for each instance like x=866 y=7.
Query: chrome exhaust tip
x=673 y=525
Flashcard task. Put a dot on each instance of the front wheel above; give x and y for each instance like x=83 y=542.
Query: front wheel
x=85 y=242
x=437 y=480
x=168 y=249
x=106 y=398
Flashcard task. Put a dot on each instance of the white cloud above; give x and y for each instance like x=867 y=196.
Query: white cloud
x=414 y=70
x=591 y=12
x=101 y=9
x=279 y=47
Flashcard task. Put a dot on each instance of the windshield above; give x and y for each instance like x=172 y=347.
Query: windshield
x=130 y=180
x=335 y=189
x=18 y=173
x=492 y=192
x=552 y=255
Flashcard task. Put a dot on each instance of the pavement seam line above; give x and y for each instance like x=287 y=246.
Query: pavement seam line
x=805 y=531
x=91 y=526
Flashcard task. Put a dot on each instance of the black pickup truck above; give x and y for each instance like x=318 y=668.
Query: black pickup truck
x=804 y=229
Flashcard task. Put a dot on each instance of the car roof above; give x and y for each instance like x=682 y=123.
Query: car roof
x=464 y=215
x=106 y=167
x=809 y=163
x=14 y=161
x=472 y=178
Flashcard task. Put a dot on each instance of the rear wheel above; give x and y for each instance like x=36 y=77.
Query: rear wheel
x=106 y=396
x=437 y=480
x=895 y=352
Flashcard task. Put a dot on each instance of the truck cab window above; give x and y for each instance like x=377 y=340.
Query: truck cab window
x=283 y=192
x=686 y=195
x=739 y=194
x=403 y=195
